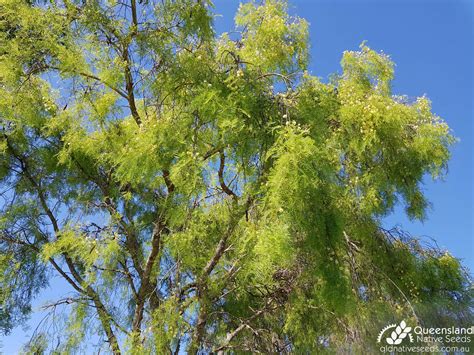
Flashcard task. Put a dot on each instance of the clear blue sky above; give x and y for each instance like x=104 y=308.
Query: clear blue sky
x=431 y=43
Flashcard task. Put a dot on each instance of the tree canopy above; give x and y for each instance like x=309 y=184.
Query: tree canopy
x=205 y=193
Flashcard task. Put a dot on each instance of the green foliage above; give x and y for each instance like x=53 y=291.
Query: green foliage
x=22 y=275
x=166 y=325
x=272 y=40
x=204 y=193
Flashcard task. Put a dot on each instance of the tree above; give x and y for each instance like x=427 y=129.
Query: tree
x=206 y=193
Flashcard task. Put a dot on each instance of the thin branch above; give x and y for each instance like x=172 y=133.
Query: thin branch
x=129 y=278
x=222 y=183
x=242 y=326
x=96 y=78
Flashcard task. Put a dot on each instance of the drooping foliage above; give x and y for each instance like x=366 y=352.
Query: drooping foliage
x=204 y=192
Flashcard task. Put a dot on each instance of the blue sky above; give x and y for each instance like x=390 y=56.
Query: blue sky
x=431 y=43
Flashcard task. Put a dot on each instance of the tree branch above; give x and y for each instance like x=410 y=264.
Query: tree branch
x=129 y=86
x=220 y=173
x=144 y=289
x=96 y=78
x=169 y=184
